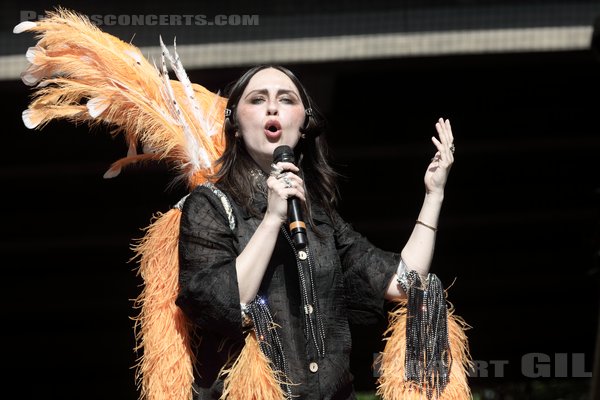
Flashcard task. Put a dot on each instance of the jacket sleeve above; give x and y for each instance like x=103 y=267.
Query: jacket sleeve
x=367 y=272
x=208 y=287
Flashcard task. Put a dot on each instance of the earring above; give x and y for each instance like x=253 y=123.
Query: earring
x=237 y=134
x=303 y=136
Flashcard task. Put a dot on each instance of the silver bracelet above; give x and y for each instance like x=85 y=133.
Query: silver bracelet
x=408 y=278
x=246 y=317
x=402 y=276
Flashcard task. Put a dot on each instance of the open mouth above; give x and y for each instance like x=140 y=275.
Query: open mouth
x=273 y=126
x=273 y=130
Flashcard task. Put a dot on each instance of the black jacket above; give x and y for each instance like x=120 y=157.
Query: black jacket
x=351 y=277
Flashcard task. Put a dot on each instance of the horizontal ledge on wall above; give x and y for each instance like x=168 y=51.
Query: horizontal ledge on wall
x=359 y=47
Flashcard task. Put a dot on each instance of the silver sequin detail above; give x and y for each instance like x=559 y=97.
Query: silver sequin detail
x=225 y=202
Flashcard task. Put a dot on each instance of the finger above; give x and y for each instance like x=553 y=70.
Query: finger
x=439 y=145
x=442 y=129
x=287 y=182
x=450 y=139
x=287 y=166
x=439 y=127
x=294 y=178
x=291 y=178
x=284 y=192
x=449 y=130
x=287 y=185
x=445 y=137
x=441 y=150
x=299 y=194
x=276 y=170
x=298 y=184
x=276 y=181
x=289 y=192
x=446 y=158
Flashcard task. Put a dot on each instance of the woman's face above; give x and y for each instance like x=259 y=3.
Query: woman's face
x=269 y=114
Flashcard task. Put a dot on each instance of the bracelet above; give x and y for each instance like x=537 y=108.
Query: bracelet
x=402 y=275
x=428 y=226
x=246 y=316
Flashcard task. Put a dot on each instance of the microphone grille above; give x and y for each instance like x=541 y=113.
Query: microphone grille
x=283 y=153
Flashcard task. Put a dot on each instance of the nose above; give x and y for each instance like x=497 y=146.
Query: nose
x=272 y=107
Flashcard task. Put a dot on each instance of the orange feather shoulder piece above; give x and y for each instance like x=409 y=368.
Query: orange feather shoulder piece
x=82 y=74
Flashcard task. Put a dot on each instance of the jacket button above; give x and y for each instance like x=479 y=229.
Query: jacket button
x=302 y=255
x=314 y=367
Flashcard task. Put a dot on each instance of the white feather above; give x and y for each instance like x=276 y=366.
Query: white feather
x=187 y=85
x=24 y=26
x=111 y=173
x=31 y=119
x=31 y=54
x=183 y=78
x=97 y=106
x=166 y=100
x=198 y=155
x=204 y=157
x=29 y=79
x=43 y=84
x=192 y=146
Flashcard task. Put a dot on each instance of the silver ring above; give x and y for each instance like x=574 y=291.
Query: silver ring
x=452 y=148
x=288 y=183
x=275 y=170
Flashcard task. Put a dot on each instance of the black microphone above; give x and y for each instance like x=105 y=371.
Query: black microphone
x=295 y=221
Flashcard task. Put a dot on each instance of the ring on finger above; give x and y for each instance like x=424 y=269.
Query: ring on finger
x=288 y=183
x=275 y=170
x=452 y=148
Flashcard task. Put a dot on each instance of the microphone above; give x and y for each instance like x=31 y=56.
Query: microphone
x=296 y=223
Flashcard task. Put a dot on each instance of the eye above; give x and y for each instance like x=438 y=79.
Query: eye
x=257 y=100
x=287 y=100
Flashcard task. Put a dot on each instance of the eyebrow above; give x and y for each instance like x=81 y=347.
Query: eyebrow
x=279 y=92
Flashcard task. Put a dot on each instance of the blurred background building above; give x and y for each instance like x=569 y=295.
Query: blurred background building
x=519 y=236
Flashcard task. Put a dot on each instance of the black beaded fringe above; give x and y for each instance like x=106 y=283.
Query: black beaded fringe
x=269 y=340
x=428 y=357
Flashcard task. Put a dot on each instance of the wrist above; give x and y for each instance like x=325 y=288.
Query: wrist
x=272 y=221
x=434 y=197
